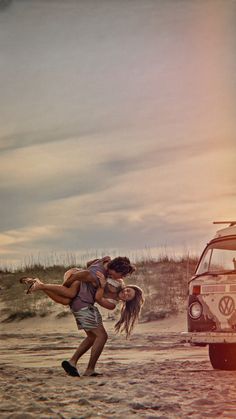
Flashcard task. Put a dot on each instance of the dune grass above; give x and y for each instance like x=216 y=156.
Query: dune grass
x=163 y=280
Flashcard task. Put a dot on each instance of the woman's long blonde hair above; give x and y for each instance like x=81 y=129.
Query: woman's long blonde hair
x=130 y=311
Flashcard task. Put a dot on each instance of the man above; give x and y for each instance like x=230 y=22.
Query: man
x=79 y=290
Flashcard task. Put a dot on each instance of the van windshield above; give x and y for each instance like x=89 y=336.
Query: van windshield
x=219 y=257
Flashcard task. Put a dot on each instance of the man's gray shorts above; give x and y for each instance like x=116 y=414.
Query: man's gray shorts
x=88 y=318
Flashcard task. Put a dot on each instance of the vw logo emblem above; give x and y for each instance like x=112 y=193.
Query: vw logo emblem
x=226 y=305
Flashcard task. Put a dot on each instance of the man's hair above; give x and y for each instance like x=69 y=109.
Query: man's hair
x=121 y=265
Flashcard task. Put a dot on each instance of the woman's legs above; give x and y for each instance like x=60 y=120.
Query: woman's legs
x=57 y=290
x=57 y=298
x=57 y=293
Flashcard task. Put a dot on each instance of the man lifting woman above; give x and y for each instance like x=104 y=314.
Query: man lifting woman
x=101 y=282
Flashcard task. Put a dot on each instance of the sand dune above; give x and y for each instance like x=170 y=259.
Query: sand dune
x=151 y=375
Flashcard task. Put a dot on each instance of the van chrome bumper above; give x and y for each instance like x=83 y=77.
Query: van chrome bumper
x=209 y=337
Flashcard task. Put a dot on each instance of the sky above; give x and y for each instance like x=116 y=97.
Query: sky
x=118 y=125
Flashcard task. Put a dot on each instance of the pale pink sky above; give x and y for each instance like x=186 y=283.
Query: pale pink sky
x=117 y=124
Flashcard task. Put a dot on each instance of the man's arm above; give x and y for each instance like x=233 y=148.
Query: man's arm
x=100 y=291
x=77 y=275
x=105 y=303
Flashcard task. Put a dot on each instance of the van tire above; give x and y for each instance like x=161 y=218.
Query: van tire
x=223 y=356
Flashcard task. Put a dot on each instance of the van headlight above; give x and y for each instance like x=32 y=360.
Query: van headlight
x=195 y=310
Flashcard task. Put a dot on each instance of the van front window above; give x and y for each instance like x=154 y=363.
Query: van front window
x=219 y=257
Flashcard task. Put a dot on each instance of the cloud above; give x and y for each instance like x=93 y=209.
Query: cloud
x=18 y=140
x=73 y=180
x=19 y=237
x=108 y=140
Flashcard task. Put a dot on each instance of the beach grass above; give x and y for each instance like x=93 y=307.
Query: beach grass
x=164 y=281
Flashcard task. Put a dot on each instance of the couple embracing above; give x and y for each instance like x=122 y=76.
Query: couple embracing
x=101 y=282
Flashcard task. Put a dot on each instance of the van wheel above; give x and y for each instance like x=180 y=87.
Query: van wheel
x=223 y=356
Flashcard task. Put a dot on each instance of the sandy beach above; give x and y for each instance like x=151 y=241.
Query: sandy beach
x=151 y=375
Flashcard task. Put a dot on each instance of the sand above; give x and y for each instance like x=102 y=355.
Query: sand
x=151 y=375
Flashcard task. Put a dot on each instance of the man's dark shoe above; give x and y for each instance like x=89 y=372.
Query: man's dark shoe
x=69 y=369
